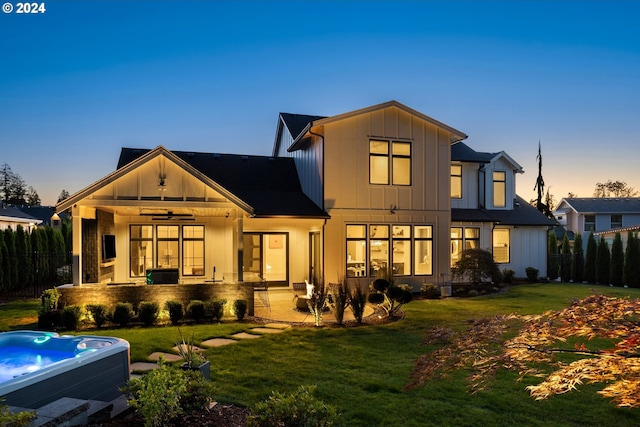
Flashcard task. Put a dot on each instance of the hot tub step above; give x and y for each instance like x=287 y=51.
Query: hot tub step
x=65 y=411
x=99 y=411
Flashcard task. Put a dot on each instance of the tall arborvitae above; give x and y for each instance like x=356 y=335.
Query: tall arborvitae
x=603 y=262
x=566 y=259
x=577 y=265
x=12 y=267
x=38 y=251
x=552 y=256
x=632 y=261
x=58 y=250
x=590 y=259
x=23 y=258
x=3 y=257
x=617 y=261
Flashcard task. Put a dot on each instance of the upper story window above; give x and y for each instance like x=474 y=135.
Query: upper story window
x=389 y=162
x=456 y=181
x=616 y=221
x=499 y=189
x=589 y=223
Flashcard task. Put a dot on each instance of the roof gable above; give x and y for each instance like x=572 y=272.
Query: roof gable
x=597 y=205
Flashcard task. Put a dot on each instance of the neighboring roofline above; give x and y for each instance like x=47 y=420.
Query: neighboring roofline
x=567 y=201
x=456 y=134
x=618 y=230
x=20 y=219
x=151 y=154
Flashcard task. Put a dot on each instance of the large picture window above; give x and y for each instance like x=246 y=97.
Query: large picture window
x=389 y=162
x=265 y=257
x=373 y=249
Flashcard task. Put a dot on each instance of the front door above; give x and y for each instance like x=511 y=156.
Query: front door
x=315 y=257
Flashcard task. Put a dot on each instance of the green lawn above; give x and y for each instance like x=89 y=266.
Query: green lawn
x=363 y=370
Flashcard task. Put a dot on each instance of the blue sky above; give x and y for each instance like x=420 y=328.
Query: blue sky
x=84 y=79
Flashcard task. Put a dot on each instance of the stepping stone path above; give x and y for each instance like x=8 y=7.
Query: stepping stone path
x=269 y=328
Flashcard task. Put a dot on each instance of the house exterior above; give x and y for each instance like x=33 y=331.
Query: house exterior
x=585 y=214
x=353 y=195
x=487 y=213
x=12 y=217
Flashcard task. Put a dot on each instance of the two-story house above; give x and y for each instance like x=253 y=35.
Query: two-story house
x=602 y=216
x=487 y=213
x=353 y=195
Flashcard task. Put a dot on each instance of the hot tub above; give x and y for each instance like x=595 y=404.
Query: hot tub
x=37 y=368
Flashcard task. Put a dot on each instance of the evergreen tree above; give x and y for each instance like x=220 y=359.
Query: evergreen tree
x=617 y=261
x=11 y=271
x=3 y=254
x=552 y=256
x=566 y=259
x=38 y=250
x=58 y=250
x=632 y=261
x=577 y=265
x=603 y=262
x=23 y=258
x=590 y=259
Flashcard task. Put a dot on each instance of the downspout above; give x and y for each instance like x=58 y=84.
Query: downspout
x=322 y=190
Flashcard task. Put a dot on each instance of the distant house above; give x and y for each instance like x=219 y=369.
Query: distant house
x=379 y=189
x=11 y=217
x=487 y=213
x=46 y=214
x=582 y=215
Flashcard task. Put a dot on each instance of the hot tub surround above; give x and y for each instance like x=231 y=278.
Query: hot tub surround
x=47 y=366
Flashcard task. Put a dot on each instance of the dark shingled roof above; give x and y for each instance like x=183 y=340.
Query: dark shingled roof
x=15 y=212
x=599 y=205
x=522 y=214
x=297 y=122
x=461 y=152
x=270 y=185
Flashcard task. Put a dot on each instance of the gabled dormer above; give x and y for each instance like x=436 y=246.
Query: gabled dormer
x=482 y=180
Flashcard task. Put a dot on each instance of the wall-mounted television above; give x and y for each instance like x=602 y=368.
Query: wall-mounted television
x=108 y=247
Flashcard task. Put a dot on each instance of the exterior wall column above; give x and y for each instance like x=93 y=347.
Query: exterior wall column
x=77 y=246
x=238 y=248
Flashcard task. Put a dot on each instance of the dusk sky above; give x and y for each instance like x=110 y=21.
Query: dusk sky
x=85 y=78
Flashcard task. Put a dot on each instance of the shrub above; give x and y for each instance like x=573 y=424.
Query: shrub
x=603 y=262
x=148 y=312
x=532 y=274
x=475 y=266
x=617 y=261
x=123 y=313
x=175 y=311
x=339 y=301
x=631 y=274
x=357 y=302
x=577 y=265
x=71 y=317
x=298 y=409
x=216 y=308
x=388 y=296
x=552 y=256
x=15 y=419
x=508 y=275
x=98 y=313
x=49 y=300
x=196 y=310
x=240 y=308
x=565 y=269
x=165 y=393
x=430 y=291
x=590 y=259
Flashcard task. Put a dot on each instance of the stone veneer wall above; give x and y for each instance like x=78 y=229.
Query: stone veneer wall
x=112 y=294
x=90 y=255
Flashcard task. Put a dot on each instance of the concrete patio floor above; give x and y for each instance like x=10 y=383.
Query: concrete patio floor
x=279 y=305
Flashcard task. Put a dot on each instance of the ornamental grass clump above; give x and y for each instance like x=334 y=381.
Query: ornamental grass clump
x=339 y=300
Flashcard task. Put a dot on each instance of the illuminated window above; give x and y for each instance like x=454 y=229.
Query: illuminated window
x=265 y=257
x=140 y=249
x=499 y=189
x=167 y=246
x=381 y=170
x=378 y=250
x=423 y=249
x=501 y=245
x=356 y=250
x=401 y=256
x=456 y=181
x=193 y=250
